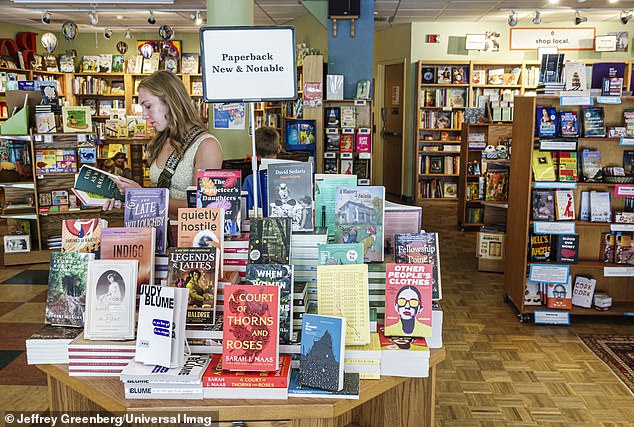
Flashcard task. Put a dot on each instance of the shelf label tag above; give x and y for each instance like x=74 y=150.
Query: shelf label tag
x=576 y=100
x=627 y=141
x=48 y=139
x=547 y=317
x=555 y=184
x=548 y=227
x=559 y=144
x=621 y=227
x=346 y=155
x=330 y=155
x=81 y=137
x=330 y=131
x=608 y=99
x=347 y=130
x=365 y=155
x=477 y=145
x=549 y=273
x=360 y=102
x=363 y=182
x=618 y=271
x=624 y=190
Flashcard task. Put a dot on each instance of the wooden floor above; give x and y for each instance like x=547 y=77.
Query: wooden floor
x=498 y=371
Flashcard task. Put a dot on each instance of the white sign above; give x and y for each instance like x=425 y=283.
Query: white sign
x=624 y=190
x=576 y=100
x=248 y=63
x=544 y=317
x=475 y=41
x=608 y=99
x=549 y=273
x=551 y=227
x=627 y=141
x=618 y=271
x=562 y=38
x=621 y=227
x=605 y=44
x=558 y=144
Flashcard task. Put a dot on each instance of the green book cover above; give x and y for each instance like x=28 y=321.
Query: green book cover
x=96 y=181
x=340 y=253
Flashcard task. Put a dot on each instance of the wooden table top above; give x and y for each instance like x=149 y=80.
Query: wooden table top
x=108 y=393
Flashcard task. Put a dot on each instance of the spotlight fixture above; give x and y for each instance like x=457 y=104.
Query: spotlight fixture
x=197 y=19
x=513 y=19
x=127 y=34
x=108 y=33
x=94 y=19
x=538 y=18
x=613 y=1
x=626 y=15
x=46 y=18
x=151 y=19
x=579 y=19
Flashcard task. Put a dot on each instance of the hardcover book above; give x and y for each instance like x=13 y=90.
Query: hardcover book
x=215 y=377
x=547 y=121
x=76 y=119
x=565 y=204
x=350 y=301
x=93 y=181
x=543 y=167
x=590 y=164
x=340 y=253
x=270 y=241
x=195 y=269
x=322 y=354
x=131 y=243
x=569 y=123
x=408 y=299
x=359 y=219
x=66 y=298
x=582 y=291
x=428 y=75
x=551 y=68
x=148 y=207
x=497 y=182
x=280 y=275
x=325 y=195
x=251 y=328
x=420 y=248
x=350 y=388
x=593 y=122
x=290 y=194
x=541 y=247
x=566 y=248
x=82 y=235
x=567 y=166
x=220 y=188
x=110 y=300
x=559 y=295
x=543 y=205
x=600 y=206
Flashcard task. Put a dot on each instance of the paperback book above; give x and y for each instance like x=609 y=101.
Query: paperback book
x=583 y=291
x=290 y=194
x=566 y=248
x=131 y=243
x=340 y=253
x=220 y=188
x=325 y=195
x=82 y=235
x=91 y=182
x=420 y=248
x=559 y=295
x=322 y=354
x=408 y=299
x=543 y=205
x=543 y=167
x=200 y=228
x=270 y=241
x=350 y=388
x=147 y=207
x=565 y=204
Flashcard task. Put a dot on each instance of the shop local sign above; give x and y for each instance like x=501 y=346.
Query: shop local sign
x=561 y=38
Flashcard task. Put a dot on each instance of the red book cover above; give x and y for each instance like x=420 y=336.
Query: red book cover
x=401 y=343
x=215 y=376
x=408 y=299
x=251 y=328
x=346 y=143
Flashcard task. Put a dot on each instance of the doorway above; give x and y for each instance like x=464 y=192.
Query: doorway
x=392 y=131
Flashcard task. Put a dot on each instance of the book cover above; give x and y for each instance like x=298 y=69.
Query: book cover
x=95 y=181
x=131 y=243
x=66 y=63
x=217 y=377
x=325 y=195
x=569 y=123
x=333 y=141
x=81 y=235
x=547 y=121
x=497 y=182
x=66 y=298
x=270 y=241
x=361 y=168
x=582 y=291
x=45 y=123
x=543 y=167
x=443 y=75
x=346 y=143
x=340 y=253
x=600 y=206
x=624 y=248
x=541 y=247
x=280 y=275
x=551 y=68
x=608 y=247
x=348 y=116
x=195 y=269
x=566 y=248
x=76 y=119
x=593 y=121
x=346 y=166
x=189 y=63
x=408 y=299
x=251 y=328
x=110 y=300
x=350 y=301
x=565 y=205
x=333 y=115
x=420 y=248
x=322 y=353
x=220 y=188
x=200 y=228
x=590 y=164
x=456 y=98
x=628 y=162
x=147 y=207
x=359 y=219
x=533 y=293
x=567 y=166
x=543 y=205
x=364 y=142
x=290 y=194
x=559 y=295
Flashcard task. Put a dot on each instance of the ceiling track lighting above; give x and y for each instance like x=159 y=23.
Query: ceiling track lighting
x=107 y=34
x=626 y=16
x=46 y=18
x=151 y=19
x=538 y=18
x=579 y=19
x=128 y=35
x=94 y=19
x=197 y=19
x=513 y=19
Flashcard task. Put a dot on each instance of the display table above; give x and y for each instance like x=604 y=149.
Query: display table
x=389 y=402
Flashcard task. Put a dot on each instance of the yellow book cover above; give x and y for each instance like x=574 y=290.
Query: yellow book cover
x=350 y=300
x=543 y=168
x=76 y=119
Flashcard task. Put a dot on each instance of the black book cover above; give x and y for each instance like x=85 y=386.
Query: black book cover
x=543 y=205
x=540 y=247
x=566 y=248
x=593 y=122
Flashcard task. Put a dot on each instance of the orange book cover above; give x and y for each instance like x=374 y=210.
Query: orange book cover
x=131 y=243
x=81 y=235
x=201 y=227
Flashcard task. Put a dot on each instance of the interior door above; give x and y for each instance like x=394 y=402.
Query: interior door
x=392 y=132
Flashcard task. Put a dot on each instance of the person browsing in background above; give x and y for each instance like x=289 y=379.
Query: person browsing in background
x=267 y=146
x=120 y=160
x=182 y=139
x=109 y=166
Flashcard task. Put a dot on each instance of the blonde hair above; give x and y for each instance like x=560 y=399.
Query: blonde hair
x=181 y=111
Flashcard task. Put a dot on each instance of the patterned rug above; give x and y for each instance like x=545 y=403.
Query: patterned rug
x=617 y=352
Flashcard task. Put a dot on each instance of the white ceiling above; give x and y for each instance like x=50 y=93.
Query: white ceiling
x=277 y=12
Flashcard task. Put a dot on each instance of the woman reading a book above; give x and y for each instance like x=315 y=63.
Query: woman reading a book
x=182 y=142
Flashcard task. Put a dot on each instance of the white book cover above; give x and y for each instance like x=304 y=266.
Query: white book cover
x=192 y=370
x=180 y=320
x=155 y=325
x=584 y=211
x=575 y=75
x=565 y=203
x=583 y=291
x=600 y=207
x=111 y=299
x=290 y=194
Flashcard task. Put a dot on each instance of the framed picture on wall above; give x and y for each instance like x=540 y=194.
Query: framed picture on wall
x=17 y=243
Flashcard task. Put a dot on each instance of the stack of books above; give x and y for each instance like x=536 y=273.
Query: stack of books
x=88 y=358
x=550 y=88
x=364 y=359
x=404 y=356
x=205 y=339
x=50 y=345
x=235 y=254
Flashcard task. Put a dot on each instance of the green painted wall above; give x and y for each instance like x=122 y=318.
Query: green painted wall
x=310 y=31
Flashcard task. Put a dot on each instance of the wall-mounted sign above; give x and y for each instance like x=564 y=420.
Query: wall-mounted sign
x=475 y=41
x=605 y=44
x=562 y=38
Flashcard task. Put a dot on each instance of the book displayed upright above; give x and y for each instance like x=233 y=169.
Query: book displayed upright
x=270 y=241
x=559 y=295
x=420 y=248
x=322 y=352
x=593 y=122
x=220 y=188
x=131 y=243
x=408 y=299
x=110 y=299
x=148 y=207
x=543 y=167
x=565 y=204
x=582 y=291
x=66 y=298
x=82 y=234
x=359 y=219
x=251 y=328
x=325 y=194
x=290 y=194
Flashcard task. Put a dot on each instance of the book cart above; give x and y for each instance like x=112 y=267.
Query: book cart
x=616 y=279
